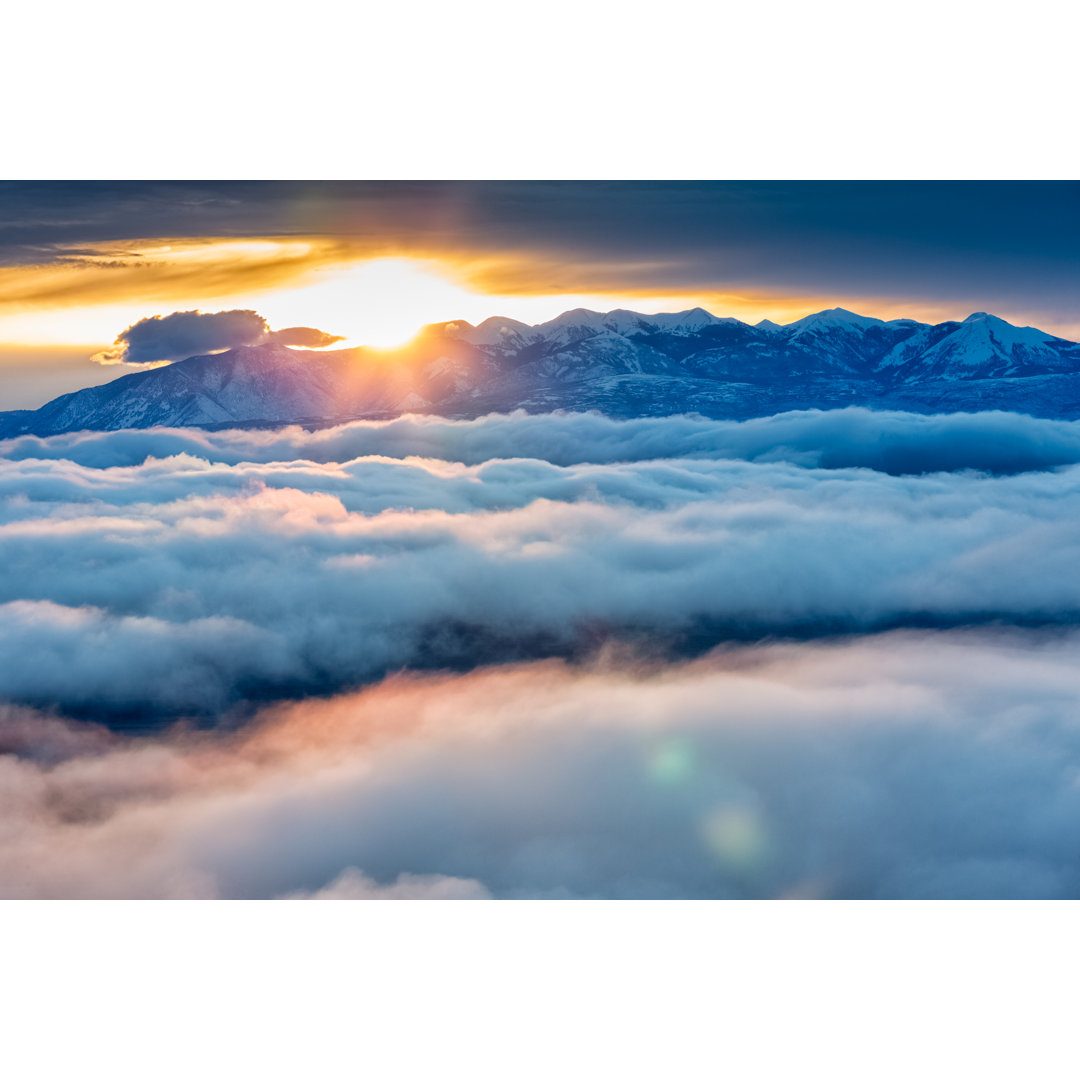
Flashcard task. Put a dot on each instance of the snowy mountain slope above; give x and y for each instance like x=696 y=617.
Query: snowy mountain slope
x=620 y=362
x=983 y=347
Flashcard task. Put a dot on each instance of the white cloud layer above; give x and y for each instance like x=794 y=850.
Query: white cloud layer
x=912 y=764
x=187 y=584
x=894 y=442
x=187 y=618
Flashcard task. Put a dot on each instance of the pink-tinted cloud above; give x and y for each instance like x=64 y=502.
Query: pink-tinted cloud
x=909 y=764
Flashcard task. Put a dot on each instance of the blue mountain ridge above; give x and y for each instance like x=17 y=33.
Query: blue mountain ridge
x=621 y=363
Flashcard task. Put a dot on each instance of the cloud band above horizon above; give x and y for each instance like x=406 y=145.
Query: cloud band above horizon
x=165 y=338
x=929 y=250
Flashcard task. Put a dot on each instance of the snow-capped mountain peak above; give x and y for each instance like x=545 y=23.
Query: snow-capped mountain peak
x=686 y=321
x=1004 y=332
x=575 y=317
x=621 y=362
x=628 y=323
x=982 y=346
x=832 y=319
x=769 y=326
x=495 y=331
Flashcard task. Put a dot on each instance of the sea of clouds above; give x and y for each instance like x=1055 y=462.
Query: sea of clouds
x=818 y=654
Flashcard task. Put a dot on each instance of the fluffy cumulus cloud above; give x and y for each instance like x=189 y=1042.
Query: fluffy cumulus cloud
x=164 y=338
x=213 y=647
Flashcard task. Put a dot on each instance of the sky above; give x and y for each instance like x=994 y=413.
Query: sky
x=372 y=262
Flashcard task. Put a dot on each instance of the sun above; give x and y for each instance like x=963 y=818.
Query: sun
x=381 y=303
x=384 y=302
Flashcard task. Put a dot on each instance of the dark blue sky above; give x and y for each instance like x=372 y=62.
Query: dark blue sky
x=80 y=261
x=973 y=244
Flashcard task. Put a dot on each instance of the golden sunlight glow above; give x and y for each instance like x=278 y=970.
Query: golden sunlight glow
x=203 y=251
x=379 y=302
x=385 y=302
x=370 y=299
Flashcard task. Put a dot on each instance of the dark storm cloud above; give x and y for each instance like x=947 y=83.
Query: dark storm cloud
x=38 y=219
x=190 y=333
x=183 y=334
x=1008 y=246
x=188 y=584
x=906 y=765
x=984 y=217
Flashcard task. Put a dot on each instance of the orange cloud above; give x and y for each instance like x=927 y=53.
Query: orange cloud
x=321 y=279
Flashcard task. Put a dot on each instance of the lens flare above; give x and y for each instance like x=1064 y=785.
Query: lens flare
x=672 y=762
x=736 y=835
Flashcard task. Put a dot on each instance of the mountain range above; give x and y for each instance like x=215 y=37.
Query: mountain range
x=621 y=363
